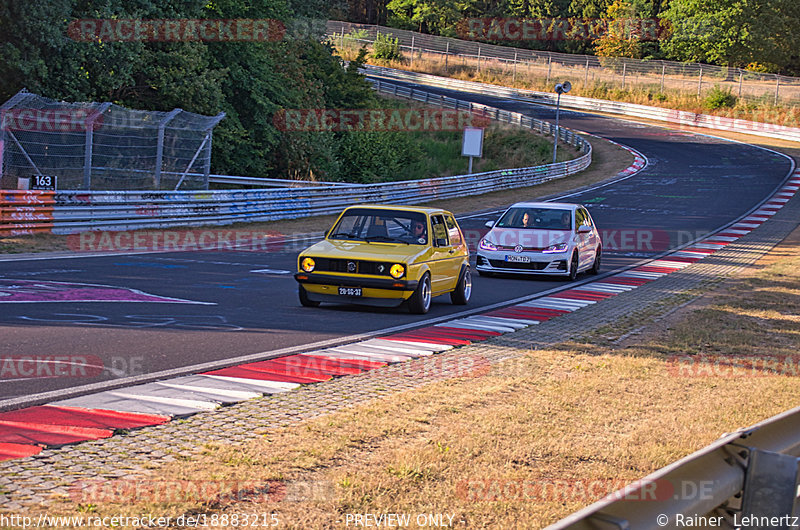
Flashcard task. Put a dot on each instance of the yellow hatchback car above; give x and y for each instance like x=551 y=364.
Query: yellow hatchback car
x=386 y=256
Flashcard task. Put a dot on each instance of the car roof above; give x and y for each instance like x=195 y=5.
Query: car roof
x=550 y=205
x=397 y=207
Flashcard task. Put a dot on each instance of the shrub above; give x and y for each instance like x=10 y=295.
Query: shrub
x=385 y=47
x=719 y=98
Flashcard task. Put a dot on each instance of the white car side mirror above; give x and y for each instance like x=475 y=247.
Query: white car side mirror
x=583 y=229
x=489 y=224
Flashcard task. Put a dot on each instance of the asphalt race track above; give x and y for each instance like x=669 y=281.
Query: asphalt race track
x=154 y=312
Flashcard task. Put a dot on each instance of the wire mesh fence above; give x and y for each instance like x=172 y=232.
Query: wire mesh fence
x=657 y=76
x=103 y=146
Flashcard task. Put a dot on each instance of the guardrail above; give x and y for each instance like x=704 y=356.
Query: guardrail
x=66 y=212
x=677 y=117
x=748 y=477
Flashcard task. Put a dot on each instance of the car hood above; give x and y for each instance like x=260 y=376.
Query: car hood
x=374 y=251
x=528 y=238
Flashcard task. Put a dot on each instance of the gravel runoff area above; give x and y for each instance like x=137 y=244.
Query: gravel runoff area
x=47 y=477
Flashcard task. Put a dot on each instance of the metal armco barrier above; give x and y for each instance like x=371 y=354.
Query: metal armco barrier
x=741 y=479
x=677 y=117
x=67 y=212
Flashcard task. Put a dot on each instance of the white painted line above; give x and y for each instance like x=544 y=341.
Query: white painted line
x=403 y=349
x=780 y=200
x=641 y=274
x=271 y=271
x=707 y=246
x=607 y=288
x=551 y=304
x=406 y=344
x=747 y=225
x=107 y=401
x=373 y=350
x=188 y=403
x=498 y=321
x=421 y=344
x=460 y=324
x=668 y=263
x=729 y=239
x=270 y=387
x=239 y=395
x=382 y=357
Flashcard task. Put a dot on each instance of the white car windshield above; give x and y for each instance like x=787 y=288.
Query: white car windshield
x=536 y=218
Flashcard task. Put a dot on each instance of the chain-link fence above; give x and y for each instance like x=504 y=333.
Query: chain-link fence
x=450 y=55
x=103 y=146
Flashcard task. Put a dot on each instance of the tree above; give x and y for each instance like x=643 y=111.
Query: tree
x=734 y=32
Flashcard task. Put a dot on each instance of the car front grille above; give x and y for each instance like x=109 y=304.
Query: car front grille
x=532 y=266
x=376 y=268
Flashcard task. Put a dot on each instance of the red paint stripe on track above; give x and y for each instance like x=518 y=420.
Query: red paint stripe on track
x=79 y=417
x=653 y=268
x=628 y=280
x=22 y=433
x=469 y=333
x=411 y=338
x=320 y=365
x=10 y=451
x=244 y=373
x=364 y=365
x=287 y=371
x=441 y=337
x=681 y=259
x=585 y=295
x=510 y=313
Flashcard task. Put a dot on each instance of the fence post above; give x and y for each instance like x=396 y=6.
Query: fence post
x=446 y=55
x=160 y=146
x=663 y=69
x=624 y=71
x=700 y=81
x=549 y=65
x=777 y=88
x=479 y=60
x=514 y=79
x=586 y=74
x=87 y=153
x=412 y=51
x=741 y=75
x=207 y=162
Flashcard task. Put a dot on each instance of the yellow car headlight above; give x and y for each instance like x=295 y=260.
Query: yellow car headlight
x=307 y=264
x=397 y=270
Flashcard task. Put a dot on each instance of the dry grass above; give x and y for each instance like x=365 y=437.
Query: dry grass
x=608 y=160
x=679 y=92
x=578 y=412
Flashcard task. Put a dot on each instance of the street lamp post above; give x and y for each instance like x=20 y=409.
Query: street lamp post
x=561 y=88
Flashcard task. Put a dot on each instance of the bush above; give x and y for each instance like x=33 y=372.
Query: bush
x=385 y=47
x=719 y=98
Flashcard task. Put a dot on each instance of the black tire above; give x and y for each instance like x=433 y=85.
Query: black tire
x=573 y=267
x=463 y=288
x=596 y=265
x=420 y=301
x=304 y=300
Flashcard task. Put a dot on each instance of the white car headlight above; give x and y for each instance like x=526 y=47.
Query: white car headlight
x=554 y=249
x=485 y=244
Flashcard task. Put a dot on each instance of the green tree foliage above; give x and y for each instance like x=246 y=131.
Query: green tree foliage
x=386 y=47
x=249 y=81
x=735 y=32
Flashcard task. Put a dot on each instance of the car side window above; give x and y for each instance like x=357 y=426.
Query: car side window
x=582 y=217
x=439 y=231
x=452 y=230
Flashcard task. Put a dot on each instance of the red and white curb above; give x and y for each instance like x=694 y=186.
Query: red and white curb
x=26 y=432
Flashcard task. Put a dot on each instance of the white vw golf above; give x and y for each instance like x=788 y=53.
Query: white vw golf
x=550 y=238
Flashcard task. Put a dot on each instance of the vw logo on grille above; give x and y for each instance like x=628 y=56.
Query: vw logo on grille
x=518 y=249
x=351 y=266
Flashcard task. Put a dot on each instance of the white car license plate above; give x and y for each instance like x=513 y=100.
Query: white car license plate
x=517 y=259
x=350 y=291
